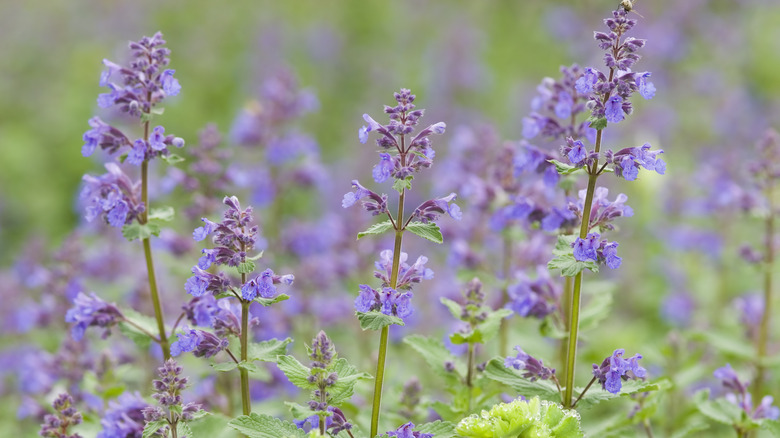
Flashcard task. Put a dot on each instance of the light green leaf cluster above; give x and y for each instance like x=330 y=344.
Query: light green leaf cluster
x=520 y=419
x=565 y=261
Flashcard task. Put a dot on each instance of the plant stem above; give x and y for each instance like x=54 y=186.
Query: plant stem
x=380 y=364
x=245 y=400
x=141 y=329
x=576 y=301
x=174 y=432
x=503 y=334
x=158 y=313
x=763 y=331
x=470 y=374
x=565 y=310
x=582 y=394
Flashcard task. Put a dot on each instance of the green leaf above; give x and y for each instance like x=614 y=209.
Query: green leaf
x=224 y=366
x=565 y=169
x=344 y=387
x=183 y=430
x=265 y=426
x=298 y=412
x=435 y=355
x=296 y=372
x=375 y=320
x=164 y=214
x=113 y=392
x=256 y=257
x=376 y=229
x=690 y=430
x=136 y=231
x=211 y=426
x=455 y=309
x=246 y=267
x=439 y=429
x=267 y=351
x=269 y=301
x=719 y=409
x=489 y=327
x=773 y=426
x=403 y=184
x=596 y=394
x=597 y=123
x=428 y=231
x=153 y=426
x=173 y=159
x=496 y=370
x=565 y=261
x=149 y=324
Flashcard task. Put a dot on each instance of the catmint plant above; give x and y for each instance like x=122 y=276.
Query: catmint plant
x=234 y=238
x=57 y=425
x=135 y=89
x=403 y=154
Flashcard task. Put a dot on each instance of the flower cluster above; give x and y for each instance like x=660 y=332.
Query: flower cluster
x=429 y=211
x=609 y=95
x=124 y=417
x=407 y=431
x=628 y=161
x=599 y=251
x=200 y=342
x=113 y=196
x=536 y=297
x=602 y=210
x=168 y=389
x=387 y=300
x=533 y=368
x=407 y=275
x=740 y=396
x=88 y=311
x=56 y=425
x=614 y=369
x=375 y=203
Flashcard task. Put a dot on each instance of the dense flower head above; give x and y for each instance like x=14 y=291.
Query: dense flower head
x=56 y=425
x=387 y=300
x=124 y=417
x=88 y=311
x=323 y=351
x=740 y=396
x=104 y=136
x=201 y=343
x=609 y=94
x=532 y=367
x=407 y=275
x=599 y=251
x=537 y=297
x=429 y=211
x=335 y=423
x=112 y=196
x=374 y=203
x=263 y=285
x=603 y=211
x=234 y=235
x=614 y=369
x=557 y=104
x=628 y=161
x=406 y=431
x=168 y=395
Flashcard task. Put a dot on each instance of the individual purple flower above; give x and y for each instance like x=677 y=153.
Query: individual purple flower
x=103 y=135
x=564 y=106
x=207 y=259
x=611 y=258
x=558 y=218
x=406 y=431
x=57 y=425
x=124 y=417
x=373 y=125
x=88 y=311
x=429 y=211
x=534 y=297
x=366 y=299
x=388 y=301
x=603 y=211
x=170 y=85
x=200 y=343
x=203 y=282
x=262 y=285
x=383 y=170
x=137 y=154
x=585 y=249
x=375 y=204
x=200 y=233
x=628 y=161
x=577 y=154
x=117 y=217
x=614 y=109
x=407 y=275
x=112 y=196
x=614 y=370
x=531 y=127
x=157 y=138
x=585 y=83
x=533 y=368
x=646 y=88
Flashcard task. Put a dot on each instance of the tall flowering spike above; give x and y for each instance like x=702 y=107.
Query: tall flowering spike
x=614 y=370
x=168 y=390
x=533 y=368
x=89 y=311
x=323 y=351
x=57 y=425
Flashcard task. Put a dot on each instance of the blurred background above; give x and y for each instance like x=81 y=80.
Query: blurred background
x=715 y=64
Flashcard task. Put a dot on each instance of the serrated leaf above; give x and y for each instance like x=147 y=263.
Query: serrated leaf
x=172 y=158
x=563 y=168
x=246 y=267
x=435 y=355
x=773 y=426
x=375 y=320
x=376 y=229
x=403 y=184
x=298 y=412
x=429 y=231
x=596 y=395
x=495 y=370
x=439 y=429
x=152 y=427
x=489 y=327
x=269 y=301
x=719 y=409
x=264 y=426
x=224 y=366
x=183 y=430
x=137 y=231
x=344 y=387
x=267 y=351
x=296 y=372
x=597 y=123
x=164 y=214
x=149 y=324
x=455 y=309
x=211 y=426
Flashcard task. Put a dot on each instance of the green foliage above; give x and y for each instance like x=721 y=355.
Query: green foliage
x=436 y=355
x=403 y=184
x=296 y=372
x=136 y=231
x=565 y=261
x=597 y=123
x=267 y=351
x=173 y=159
x=484 y=331
x=265 y=426
x=519 y=419
x=596 y=394
x=342 y=390
x=376 y=229
x=152 y=427
x=565 y=169
x=149 y=324
x=375 y=320
x=439 y=429
x=270 y=301
x=428 y=231
x=495 y=370
x=162 y=214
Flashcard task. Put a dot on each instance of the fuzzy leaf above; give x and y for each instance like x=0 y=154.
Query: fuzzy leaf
x=152 y=427
x=246 y=267
x=296 y=372
x=439 y=429
x=596 y=395
x=298 y=412
x=403 y=184
x=496 y=370
x=164 y=214
x=773 y=426
x=435 y=355
x=224 y=366
x=719 y=409
x=455 y=309
x=136 y=231
x=172 y=159
x=269 y=301
x=376 y=229
x=267 y=351
x=597 y=123
x=265 y=426
x=344 y=387
x=489 y=327
x=256 y=257
x=211 y=426
x=141 y=339
x=429 y=231
x=563 y=168
x=375 y=320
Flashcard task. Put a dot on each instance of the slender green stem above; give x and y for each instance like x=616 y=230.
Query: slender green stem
x=246 y=402
x=470 y=374
x=582 y=394
x=174 y=432
x=503 y=334
x=648 y=429
x=763 y=331
x=158 y=313
x=141 y=329
x=566 y=297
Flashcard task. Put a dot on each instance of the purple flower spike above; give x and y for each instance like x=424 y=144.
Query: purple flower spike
x=614 y=109
x=614 y=369
x=88 y=311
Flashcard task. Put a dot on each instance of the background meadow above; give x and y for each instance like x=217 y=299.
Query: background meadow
x=681 y=296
